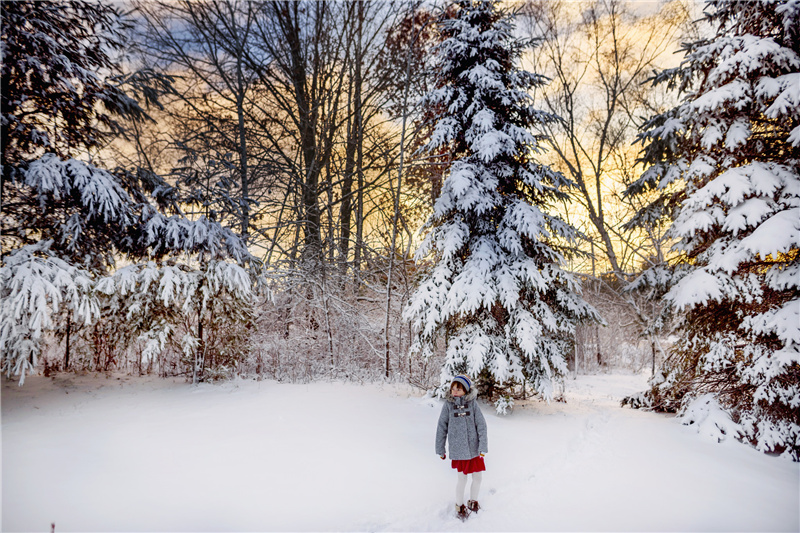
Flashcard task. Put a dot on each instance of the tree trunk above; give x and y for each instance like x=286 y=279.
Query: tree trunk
x=288 y=16
x=653 y=349
x=358 y=246
x=354 y=142
x=245 y=200
x=327 y=319
x=197 y=373
x=66 y=351
x=346 y=209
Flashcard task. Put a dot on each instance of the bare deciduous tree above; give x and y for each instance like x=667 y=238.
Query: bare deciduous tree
x=599 y=54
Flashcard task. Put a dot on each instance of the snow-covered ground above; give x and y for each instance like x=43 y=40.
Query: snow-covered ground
x=143 y=454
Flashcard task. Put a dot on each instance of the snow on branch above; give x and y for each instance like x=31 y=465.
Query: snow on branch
x=98 y=190
x=177 y=234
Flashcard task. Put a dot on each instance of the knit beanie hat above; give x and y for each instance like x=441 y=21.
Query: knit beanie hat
x=463 y=380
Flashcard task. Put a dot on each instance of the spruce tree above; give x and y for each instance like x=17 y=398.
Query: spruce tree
x=727 y=163
x=497 y=291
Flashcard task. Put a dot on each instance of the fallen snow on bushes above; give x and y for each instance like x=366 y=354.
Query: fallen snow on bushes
x=144 y=454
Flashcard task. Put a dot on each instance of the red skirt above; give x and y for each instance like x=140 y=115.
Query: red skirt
x=469 y=466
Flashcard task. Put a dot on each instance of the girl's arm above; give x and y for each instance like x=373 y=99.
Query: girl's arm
x=480 y=425
x=441 y=430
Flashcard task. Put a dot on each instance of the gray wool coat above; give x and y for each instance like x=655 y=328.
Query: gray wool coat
x=462 y=425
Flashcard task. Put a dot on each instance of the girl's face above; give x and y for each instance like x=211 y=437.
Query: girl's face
x=456 y=390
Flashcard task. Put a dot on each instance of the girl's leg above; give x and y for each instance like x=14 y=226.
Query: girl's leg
x=475 y=488
x=461 y=484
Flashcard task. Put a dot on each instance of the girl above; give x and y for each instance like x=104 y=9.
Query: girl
x=461 y=423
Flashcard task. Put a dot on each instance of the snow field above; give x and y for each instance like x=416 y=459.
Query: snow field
x=143 y=454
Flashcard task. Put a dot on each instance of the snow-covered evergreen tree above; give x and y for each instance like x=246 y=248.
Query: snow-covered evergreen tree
x=727 y=160
x=57 y=92
x=161 y=304
x=64 y=220
x=497 y=291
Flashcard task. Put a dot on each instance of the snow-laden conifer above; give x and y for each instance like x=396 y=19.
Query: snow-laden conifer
x=65 y=221
x=497 y=291
x=89 y=216
x=36 y=285
x=157 y=301
x=71 y=269
x=59 y=88
x=727 y=160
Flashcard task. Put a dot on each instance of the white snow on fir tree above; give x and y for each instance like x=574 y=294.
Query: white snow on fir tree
x=497 y=292
x=733 y=142
x=35 y=286
x=709 y=419
x=39 y=286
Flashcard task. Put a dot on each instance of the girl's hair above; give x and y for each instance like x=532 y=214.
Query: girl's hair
x=459 y=385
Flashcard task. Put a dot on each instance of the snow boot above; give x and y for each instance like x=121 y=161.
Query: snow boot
x=462 y=512
x=473 y=506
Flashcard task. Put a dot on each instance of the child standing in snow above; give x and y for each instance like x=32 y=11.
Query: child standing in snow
x=462 y=425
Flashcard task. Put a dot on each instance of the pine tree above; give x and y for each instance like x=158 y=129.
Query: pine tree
x=65 y=221
x=497 y=291
x=62 y=97
x=727 y=163
x=53 y=96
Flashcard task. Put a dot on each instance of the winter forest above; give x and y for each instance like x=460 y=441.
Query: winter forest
x=403 y=191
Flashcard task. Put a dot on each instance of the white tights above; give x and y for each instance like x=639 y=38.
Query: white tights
x=474 y=489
